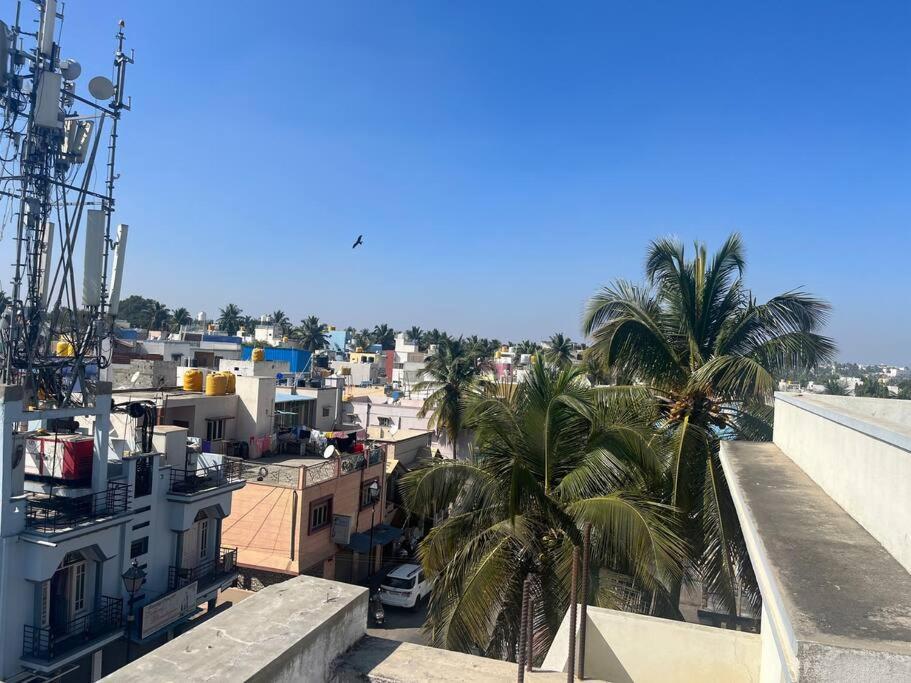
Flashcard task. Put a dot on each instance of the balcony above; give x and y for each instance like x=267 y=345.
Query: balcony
x=54 y=514
x=189 y=482
x=206 y=574
x=46 y=643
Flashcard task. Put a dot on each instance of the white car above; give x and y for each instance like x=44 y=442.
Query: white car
x=404 y=586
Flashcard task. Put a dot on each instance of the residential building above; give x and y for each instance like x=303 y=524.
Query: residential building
x=79 y=506
x=374 y=408
x=408 y=365
x=312 y=514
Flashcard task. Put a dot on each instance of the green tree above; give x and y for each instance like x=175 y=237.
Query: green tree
x=158 y=316
x=835 y=387
x=594 y=368
x=700 y=342
x=526 y=346
x=181 y=316
x=448 y=374
x=247 y=324
x=362 y=338
x=312 y=333
x=280 y=318
x=229 y=318
x=871 y=387
x=415 y=335
x=559 y=351
x=384 y=336
x=135 y=310
x=552 y=456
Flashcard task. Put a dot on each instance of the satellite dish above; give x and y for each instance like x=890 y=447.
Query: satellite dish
x=393 y=430
x=71 y=69
x=101 y=88
x=329 y=452
x=134 y=377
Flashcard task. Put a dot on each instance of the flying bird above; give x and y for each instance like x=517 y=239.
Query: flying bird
x=358 y=242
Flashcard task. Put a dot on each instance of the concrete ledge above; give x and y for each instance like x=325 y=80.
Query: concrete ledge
x=835 y=602
x=287 y=632
x=389 y=661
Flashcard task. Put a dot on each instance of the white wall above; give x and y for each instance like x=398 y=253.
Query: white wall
x=622 y=647
x=850 y=447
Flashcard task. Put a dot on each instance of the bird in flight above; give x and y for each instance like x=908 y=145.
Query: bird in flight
x=358 y=242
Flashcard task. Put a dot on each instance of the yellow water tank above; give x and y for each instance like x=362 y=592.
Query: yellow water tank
x=192 y=380
x=258 y=354
x=231 y=379
x=64 y=348
x=216 y=384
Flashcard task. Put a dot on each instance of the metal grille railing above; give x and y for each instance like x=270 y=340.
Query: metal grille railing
x=324 y=471
x=206 y=573
x=190 y=481
x=57 y=513
x=273 y=474
x=49 y=642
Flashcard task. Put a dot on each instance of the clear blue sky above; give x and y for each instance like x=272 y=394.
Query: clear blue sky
x=504 y=159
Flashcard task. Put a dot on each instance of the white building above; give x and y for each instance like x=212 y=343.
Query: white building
x=408 y=364
x=68 y=533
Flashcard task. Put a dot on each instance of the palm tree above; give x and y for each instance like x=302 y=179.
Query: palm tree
x=835 y=387
x=229 y=319
x=526 y=346
x=362 y=338
x=180 y=317
x=593 y=366
x=559 y=351
x=248 y=324
x=415 y=335
x=553 y=455
x=698 y=339
x=384 y=336
x=280 y=318
x=158 y=315
x=312 y=333
x=448 y=374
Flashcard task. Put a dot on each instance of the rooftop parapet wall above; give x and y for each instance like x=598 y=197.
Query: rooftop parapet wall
x=291 y=631
x=858 y=450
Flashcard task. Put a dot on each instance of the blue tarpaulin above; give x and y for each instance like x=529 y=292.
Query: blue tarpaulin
x=382 y=534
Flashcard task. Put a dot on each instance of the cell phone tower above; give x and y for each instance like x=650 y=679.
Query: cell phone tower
x=53 y=142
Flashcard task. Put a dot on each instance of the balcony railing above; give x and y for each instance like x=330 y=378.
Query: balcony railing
x=345 y=464
x=286 y=476
x=49 y=642
x=206 y=573
x=190 y=481
x=57 y=513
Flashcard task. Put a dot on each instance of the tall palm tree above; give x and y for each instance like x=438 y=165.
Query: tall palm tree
x=448 y=374
x=415 y=335
x=594 y=368
x=229 y=318
x=362 y=338
x=158 y=315
x=526 y=346
x=698 y=339
x=248 y=324
x=384 y=336
x=312 y=333
x=559 y=351
x=553 y=455
x=180 y=317
x=281 y=319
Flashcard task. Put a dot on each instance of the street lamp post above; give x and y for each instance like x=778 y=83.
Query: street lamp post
x=132 y=582
x=374 y=490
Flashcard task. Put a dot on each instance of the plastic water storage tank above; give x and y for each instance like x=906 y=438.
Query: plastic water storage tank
x=192 y=380
x=64 y=348
x=231 y=380
x=216 y=383
x=258 y=354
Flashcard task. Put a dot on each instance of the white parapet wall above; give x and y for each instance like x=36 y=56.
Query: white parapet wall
x=631 y=648
x=858 y=450
x=289 y=632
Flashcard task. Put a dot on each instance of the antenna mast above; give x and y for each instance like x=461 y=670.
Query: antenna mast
x=53 y=342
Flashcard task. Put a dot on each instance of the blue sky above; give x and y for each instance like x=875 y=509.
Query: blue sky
x=504 y=160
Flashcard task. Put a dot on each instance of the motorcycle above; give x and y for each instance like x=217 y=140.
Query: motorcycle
x=377 y=613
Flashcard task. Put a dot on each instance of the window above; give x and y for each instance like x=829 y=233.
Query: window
x=139 y=547
x=215 y=429
x=366 y=501
x=143 y=485
x=320 y=514
x=203 y=539
x=384 y=421
x=325 y=411
x=77 y=595
x=44 y=618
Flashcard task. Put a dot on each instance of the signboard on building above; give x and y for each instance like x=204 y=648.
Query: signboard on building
x=341 y=529
x=168 y=609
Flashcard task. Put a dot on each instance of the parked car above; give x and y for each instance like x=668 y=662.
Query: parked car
x=404 y=586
